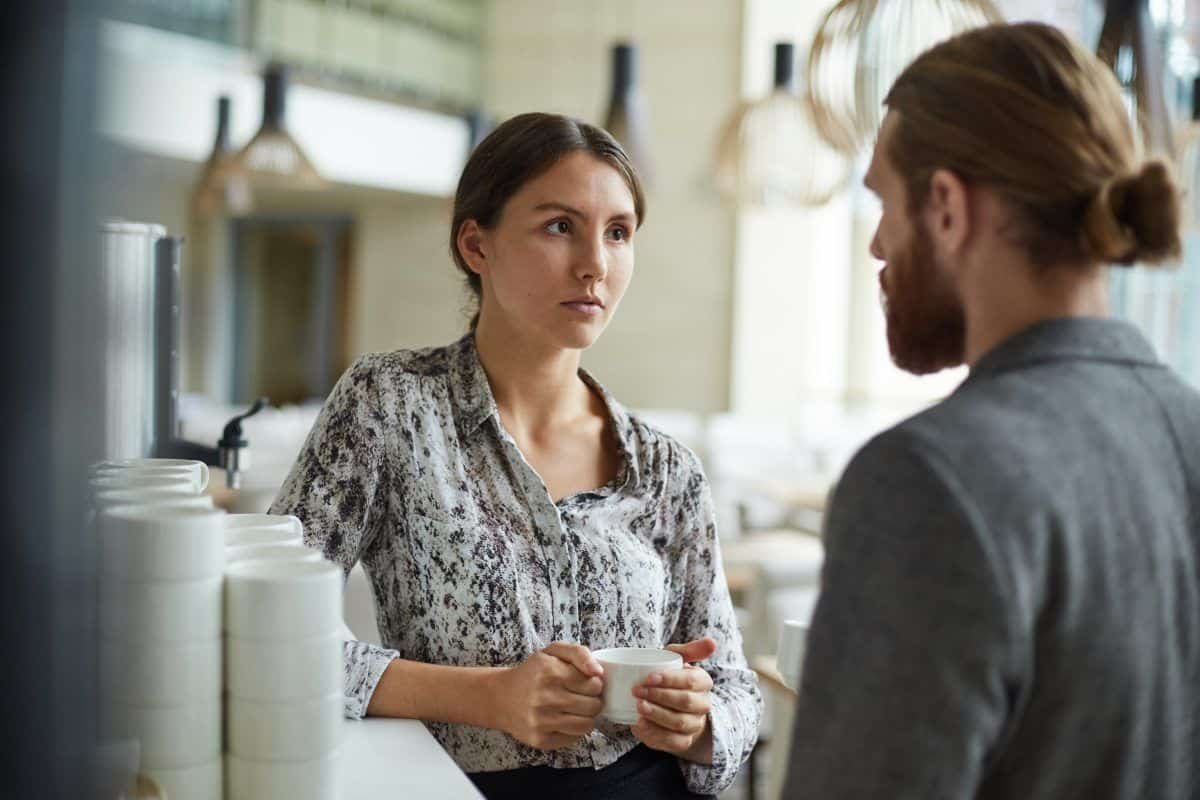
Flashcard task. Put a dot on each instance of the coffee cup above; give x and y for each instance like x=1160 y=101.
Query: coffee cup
x=625 y=668
x=792 y=635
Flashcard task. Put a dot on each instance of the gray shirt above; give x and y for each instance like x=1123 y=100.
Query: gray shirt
x=1011 y=597
x=471 y=562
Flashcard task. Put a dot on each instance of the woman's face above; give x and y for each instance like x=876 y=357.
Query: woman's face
x=556 y=263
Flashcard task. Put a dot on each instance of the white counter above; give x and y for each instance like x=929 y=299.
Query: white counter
x=399 y=758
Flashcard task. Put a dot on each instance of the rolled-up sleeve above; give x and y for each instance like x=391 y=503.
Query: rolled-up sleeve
x=335 y=489
x=707 y=611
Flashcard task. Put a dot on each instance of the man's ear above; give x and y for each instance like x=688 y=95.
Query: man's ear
x=471 y=242
x=948 y=212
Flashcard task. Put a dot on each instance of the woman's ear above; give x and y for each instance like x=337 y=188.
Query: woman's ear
x=472 y=246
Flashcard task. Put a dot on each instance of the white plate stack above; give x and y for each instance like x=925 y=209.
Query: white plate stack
x=150 y=481
x=160 y=641
x=283 y=622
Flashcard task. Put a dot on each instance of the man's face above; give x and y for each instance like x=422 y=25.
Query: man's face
x=926 y=326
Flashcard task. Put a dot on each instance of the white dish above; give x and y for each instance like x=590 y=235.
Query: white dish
x=290 y=731
x=315 y=779
x=626 y=667
x=274 y=600
x=140 y=479
x=195 y=471
x=262 y=529
x=177 y=497
x=160 y=673
x=274 y=551
x=293 y=669
x=148 y=543
x=171 y=737
x=203 y=782
x=160 y=611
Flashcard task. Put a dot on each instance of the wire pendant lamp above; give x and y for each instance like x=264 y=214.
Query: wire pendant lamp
x=770 y=153
x=1129 y=46
x=861 y=47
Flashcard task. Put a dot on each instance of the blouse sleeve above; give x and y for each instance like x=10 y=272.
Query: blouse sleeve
x=336 y=488
x=707 y=611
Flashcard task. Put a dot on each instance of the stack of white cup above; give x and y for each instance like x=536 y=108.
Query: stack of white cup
x=283 y=622
x=160 y=595
x=160 y=642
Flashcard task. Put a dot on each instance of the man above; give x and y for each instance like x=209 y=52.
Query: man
x=1011 y=596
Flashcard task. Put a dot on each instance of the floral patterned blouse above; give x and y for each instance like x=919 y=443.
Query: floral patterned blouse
x=409 y=470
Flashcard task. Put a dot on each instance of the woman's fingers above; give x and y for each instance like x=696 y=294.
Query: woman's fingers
x=659 y=738
x=681 y=700
x=674 y=721
x=577 y=656
x=579 y=704
x=592 y=687
x=690 y=679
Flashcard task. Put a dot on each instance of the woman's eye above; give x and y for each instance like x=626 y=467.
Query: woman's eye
x=559 y=226
x=619 y=234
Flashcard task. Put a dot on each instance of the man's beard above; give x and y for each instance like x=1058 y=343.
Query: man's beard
x=926 y=327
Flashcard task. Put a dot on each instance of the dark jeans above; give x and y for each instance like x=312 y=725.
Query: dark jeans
x=641 y=773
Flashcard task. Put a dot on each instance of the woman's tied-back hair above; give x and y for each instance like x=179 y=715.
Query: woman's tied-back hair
x=1039 y=120
x=516 y=152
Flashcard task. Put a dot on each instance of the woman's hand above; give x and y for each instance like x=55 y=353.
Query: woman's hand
x=673 y=706
x=552 y=699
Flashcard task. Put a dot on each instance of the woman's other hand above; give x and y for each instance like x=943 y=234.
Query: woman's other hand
x=673 y=706
x=552 y=699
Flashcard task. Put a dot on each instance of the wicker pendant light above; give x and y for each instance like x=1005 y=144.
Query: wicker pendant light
x=859 y=50
x=273 y=159
x=770 y=153
x=220 y=188
x=1129 y=46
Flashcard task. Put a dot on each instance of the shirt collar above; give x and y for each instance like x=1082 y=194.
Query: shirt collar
x=1067 y=339
x=474 y=404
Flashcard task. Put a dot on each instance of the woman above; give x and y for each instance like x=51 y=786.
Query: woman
x=512 y=517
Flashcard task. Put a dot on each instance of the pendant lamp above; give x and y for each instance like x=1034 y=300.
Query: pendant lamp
x=1189 y=165
x=273 y=159
x=862 y=46
x=626 y=117
x=1129 y=46
x=220 y=188
x=770 y=153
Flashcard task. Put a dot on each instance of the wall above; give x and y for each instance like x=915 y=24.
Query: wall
x=669 y=345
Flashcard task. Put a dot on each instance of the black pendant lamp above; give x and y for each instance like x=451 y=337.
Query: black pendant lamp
x=273 y=159
x=220 y=188
x=1129 y=46
x=626 y=118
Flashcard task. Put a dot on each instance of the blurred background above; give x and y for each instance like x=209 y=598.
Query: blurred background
x=306 y=153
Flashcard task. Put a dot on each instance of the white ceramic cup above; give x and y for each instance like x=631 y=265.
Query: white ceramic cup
x=177 y=497
x=314 y=779
x=275 y=551
x=792 y=635
x=149 y=543
x=138 y=480
x=160 y=673
x=262 y=529
x=274 y=600
x=297 y=730
x=160 y=611
x=195 y=471
x=171 y=737
x=293 y=669
x=625 y=668
x=203 y=782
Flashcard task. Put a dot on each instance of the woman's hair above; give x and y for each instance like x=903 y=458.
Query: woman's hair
x=1039 y=120
x=515 y=153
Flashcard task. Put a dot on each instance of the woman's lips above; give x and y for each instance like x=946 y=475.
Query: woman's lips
x=589 y=309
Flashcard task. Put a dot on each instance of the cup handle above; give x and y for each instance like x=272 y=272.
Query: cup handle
x=203 y=477
x=296 y=524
